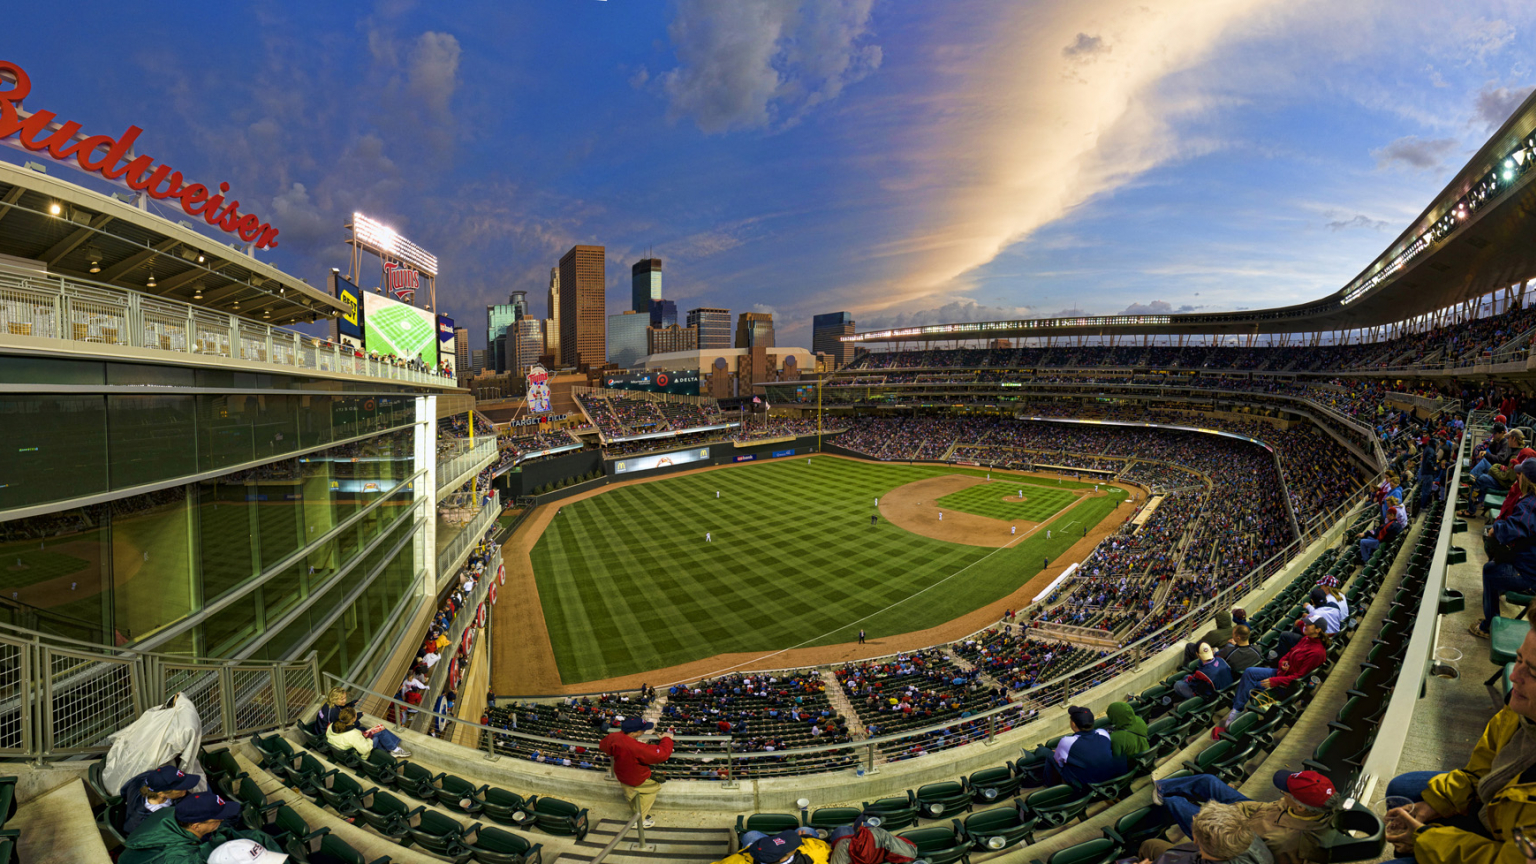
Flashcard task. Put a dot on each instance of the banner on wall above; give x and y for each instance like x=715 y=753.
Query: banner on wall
x=349 y=325
x=447 y=346
x=491 y=593
x=501 y=573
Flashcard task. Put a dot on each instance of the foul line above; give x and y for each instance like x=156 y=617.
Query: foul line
x=1009 y=544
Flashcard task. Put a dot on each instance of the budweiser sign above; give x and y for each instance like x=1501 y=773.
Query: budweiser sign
x=40 y=132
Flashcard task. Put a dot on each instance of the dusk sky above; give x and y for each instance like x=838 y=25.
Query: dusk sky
x=911 y=162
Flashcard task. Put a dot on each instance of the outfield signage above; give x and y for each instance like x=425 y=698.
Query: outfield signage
x=40 y=133
x=660 y=460
x=680 y=382
x=673 y=433
x=530 y=421
x=745 y=458
x=778 y=453
x=349 y=325
x=446 y=346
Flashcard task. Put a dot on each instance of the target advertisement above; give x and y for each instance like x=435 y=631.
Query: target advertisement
x=393 y=328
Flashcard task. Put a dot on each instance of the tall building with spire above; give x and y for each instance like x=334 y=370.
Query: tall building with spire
x=552 y=323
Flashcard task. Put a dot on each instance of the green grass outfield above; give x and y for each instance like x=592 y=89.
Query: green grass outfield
x=998 y=500
x=628 y=583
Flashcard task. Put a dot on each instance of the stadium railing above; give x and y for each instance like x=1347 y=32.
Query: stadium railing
x=461 y=622
x=457 y=549
x=61 y=698
x=74 y=310
x=455 y=471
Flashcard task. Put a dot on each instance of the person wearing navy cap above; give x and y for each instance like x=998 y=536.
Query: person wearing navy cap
x=631 y=763
x=789 y=847
x=189 y=832
x=153 y=791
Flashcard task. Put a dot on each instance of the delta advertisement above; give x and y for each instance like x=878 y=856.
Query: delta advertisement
x=349 y=326
x=447 y=345
x=393 y=328
x=660 y=460
x=680 y=382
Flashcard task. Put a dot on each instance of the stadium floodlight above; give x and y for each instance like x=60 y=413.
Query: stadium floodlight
x=383 y=240
x=55 y=209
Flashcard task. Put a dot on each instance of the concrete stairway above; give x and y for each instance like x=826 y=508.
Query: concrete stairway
x=667 y=844
x=839 y=699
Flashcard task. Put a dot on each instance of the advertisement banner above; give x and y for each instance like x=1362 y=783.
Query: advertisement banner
x=391 y=328
x=349 y=326
x=682 y=382
x=538 y=390
x=745 y=458
x=447 y=349
x=660 y=460
x=778 y=453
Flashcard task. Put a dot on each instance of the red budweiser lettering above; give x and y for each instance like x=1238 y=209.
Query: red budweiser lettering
x=101 y=154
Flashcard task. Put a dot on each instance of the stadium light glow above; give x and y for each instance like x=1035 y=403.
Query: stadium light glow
x=385 y=241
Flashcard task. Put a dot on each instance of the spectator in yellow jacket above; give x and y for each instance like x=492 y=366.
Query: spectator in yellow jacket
x=786 y=847
x=1469 y=816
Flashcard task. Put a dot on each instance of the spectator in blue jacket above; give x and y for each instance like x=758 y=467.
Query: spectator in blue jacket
x=1085 y=756
x=1213 y=667
x=1512 y=559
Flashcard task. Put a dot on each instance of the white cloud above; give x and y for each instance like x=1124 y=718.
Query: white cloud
x=1158 y=307
x=1495 y=104
x=1360 y=220
x=758 y=63
x=301 y=222
x=958 y=311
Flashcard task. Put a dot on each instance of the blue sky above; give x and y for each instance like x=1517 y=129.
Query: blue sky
x=913 y=162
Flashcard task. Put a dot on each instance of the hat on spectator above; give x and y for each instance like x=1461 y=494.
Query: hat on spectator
x=1498 y=426
x=771 y=850
x=245 y=852
x=1081 y=716
x=1205 y=653
x=168 y=778
x=1318 y=596
x=1500 y=418
x=205 y=806
x=635 y=724
x=1528 y=469
x=1307 y=787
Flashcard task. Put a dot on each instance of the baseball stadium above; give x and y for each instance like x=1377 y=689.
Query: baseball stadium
x=282 y=579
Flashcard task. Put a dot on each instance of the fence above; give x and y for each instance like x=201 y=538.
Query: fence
x=63 y=698
x=69 y=310
x=455 y=470
x=457 y=549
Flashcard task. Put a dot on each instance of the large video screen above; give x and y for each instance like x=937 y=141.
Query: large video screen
x=660 y=460
x=392 y=327
x=681 y=382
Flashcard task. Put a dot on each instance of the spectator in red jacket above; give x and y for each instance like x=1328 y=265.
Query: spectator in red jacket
x=631 y=763
x=1308 y=654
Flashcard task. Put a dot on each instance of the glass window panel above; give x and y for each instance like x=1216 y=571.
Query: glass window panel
x=296 y=632
x=227 y=534
x=225 y=436
x=355 y=633
x=152 y=438
x=328 y=646
x=151 y=561
x=231 y=628
x=315 y=421
x=283 y=592
x=46 y=370
x=281 y=510
x=53 y=573
x=54 y=447
x=275 y=425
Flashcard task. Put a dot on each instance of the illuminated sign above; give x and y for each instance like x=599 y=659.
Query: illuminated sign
x=382 y=240
x=350 y=325
x=401 y=281
x=101 y=154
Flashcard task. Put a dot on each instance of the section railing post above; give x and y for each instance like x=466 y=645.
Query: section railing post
x=490 y=745
x=992 y=729
x=280 y=695
x=227 y=700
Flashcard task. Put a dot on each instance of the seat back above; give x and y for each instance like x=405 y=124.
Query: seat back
x=832 y=817
x=1100 y=850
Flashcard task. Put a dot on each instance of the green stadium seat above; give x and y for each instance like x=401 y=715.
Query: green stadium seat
x=893 y=813
x=1357 y=835
x=439 y=835
x=93 y=780
x=827 y=818
x=417 y=782
x=1137 y=826
x=1100 y=850
x=343 y=794
x=495 y=846
x=387 y=814
x=993 y=784
x=1057 y=805
x=768 y=823
x=459 y=794
x=934 y=800
x=566 y=819
x=939 y=845
x=507 y=808
x=328 y=849
x=380 y=768
x=999 y=828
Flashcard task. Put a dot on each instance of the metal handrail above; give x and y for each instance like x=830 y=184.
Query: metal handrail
x=78 y=310
x=457 y=550
x=454 y=471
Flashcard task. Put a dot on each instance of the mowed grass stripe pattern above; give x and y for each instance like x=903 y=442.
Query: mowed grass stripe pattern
x=999 y=500
x=628 y=582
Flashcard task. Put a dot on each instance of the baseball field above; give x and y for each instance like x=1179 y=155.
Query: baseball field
x=629 y=582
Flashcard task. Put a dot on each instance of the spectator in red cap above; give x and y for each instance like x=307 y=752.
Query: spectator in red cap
x=632 y=760
x=1290 y=827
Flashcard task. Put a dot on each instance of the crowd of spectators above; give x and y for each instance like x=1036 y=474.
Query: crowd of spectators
x=623 y=416
x=762 y=713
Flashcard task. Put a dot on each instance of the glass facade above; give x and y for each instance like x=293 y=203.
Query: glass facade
x=626 y=338
x=320 y=547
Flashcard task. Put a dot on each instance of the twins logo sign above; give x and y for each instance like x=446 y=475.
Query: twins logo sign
x=401 y=281
x=538 y=390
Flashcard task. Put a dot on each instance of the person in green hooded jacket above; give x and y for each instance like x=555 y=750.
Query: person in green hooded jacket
x=1129 y=735
x=189 y=832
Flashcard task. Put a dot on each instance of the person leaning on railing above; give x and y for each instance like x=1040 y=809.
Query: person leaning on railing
x=631 y=763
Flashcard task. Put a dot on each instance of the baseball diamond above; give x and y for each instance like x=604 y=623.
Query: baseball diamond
x=629 y=584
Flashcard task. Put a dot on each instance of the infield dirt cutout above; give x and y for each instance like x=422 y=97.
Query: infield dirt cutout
x=914 y=507
x=524 y=662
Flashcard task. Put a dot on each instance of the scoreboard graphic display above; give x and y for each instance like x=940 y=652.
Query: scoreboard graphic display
x=660 y=460
x=391 y=327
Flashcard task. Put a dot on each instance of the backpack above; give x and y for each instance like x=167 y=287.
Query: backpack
x=1201 y=685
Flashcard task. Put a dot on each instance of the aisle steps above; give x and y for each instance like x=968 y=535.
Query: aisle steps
x=683 y=845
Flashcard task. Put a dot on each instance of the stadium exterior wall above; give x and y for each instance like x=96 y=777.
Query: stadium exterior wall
x=779 y=794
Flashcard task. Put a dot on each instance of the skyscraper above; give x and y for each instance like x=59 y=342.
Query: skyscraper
x=754 y=330
x=663 y=313
x=583 y=325
x=645 y=284
x=520 y=305
x=461 y=352
x=552 y=322
x=528 y=339
x=662 y=340
x=824 y=332
x=498 y=317
x=626 y=337
x=713 y=327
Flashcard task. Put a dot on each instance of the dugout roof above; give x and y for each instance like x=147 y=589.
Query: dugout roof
x=1474 y=237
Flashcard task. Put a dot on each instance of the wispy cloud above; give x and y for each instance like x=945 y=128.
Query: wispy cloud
x=1415 y=152
x=1360 y=220
x=1495 y=104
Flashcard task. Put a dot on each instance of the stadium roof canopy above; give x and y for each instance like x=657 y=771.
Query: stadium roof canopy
x=1477 y=236
x=53 y=226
